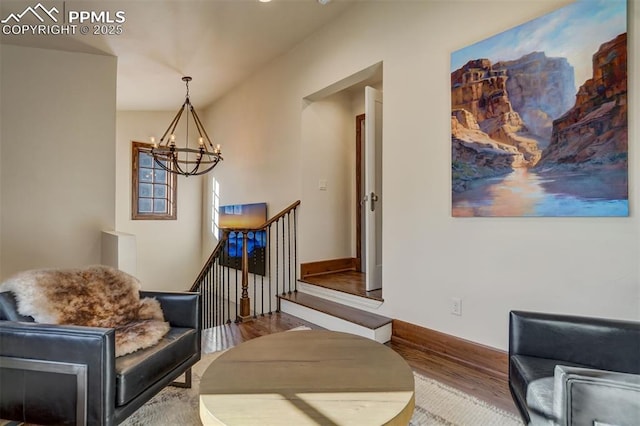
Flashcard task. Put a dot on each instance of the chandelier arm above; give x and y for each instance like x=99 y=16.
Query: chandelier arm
x=208 y=169
x=194 y=171
x=174 y=123
x=162 y=166
x=178 y=169
x=200 y=127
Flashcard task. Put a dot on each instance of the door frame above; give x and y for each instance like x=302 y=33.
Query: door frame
x=359 y=195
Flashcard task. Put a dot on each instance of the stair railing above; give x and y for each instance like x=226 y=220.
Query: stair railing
x=228 y=287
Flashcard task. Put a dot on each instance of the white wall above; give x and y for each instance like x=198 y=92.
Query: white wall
x=262 y=152
x=328 y=153
x=57 y=169
x=574 y=265
x=168 y=251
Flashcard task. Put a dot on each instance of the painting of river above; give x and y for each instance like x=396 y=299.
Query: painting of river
x=524 y=192
x=539 y=117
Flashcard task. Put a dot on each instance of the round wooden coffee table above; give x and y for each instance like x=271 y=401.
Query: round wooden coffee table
x=309 y=377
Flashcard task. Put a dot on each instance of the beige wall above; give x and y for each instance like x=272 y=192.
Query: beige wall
x=583 y=266
x=168 y=251
x=57 y=165
x=328 y=153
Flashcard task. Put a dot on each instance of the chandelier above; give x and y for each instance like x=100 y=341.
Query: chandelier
x=191 y=159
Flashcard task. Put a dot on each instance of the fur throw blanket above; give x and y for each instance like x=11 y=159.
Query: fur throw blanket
x=96 y=296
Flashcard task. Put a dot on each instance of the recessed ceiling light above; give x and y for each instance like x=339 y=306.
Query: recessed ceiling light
x=323 y=1
x=264 y=1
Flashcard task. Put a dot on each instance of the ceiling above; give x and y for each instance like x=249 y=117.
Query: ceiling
x=217 y=42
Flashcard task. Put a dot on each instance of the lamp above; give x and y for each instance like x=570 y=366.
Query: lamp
x=186 y=161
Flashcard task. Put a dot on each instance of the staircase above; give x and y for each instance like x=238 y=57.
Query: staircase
x=336 y=309
x=330 y=293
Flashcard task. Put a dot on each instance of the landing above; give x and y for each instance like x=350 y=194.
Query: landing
x=350 y=282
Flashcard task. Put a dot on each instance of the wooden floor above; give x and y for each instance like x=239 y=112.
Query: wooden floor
x=466 y=379
x=351 y=282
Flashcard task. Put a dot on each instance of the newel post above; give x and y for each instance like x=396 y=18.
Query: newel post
x=245 y=302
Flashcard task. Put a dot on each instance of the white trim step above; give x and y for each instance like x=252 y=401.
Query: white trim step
x=336 y=316
x=339 y=296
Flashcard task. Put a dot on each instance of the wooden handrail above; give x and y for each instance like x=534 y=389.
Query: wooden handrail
x=225 y=237
x=279 y=215
x=268 y=222
x=216 y=251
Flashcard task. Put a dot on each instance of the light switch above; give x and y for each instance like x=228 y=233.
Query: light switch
x=322 y=184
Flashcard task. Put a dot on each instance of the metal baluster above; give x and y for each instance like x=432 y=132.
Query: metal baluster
x=203 y=300
x=255 y=262
x=255 y=296
x=216 y=292
x=237 y=298
x=263 y=241
x=289 y=247
x=269 y=266
x=283 y=260
x=220 y=288
x=207 y=300
x=295 y=249
x=277 y=255
x=212 y=290
x=228 y=316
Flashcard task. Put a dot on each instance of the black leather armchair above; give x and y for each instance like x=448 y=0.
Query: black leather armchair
x=61 y=374
x=570 y=370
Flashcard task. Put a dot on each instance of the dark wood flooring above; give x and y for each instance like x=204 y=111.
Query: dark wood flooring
x=351 y=282
x=471 y=381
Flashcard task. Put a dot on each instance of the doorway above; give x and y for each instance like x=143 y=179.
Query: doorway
x=334 y=173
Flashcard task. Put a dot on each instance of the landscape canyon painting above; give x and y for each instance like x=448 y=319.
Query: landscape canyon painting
x=539 y=117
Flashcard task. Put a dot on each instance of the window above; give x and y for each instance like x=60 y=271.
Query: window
x=154 y=189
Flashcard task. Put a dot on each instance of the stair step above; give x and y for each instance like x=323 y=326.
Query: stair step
x=340 y=297
x=336 y=316
x=347 y=313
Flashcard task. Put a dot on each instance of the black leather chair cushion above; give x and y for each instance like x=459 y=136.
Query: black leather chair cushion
x=135 y=371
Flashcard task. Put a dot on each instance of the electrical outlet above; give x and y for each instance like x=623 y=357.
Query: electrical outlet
x=456 y=306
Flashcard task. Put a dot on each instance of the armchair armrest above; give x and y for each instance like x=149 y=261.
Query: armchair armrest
x=181 y=309
x=595 y=342
x=584 y=396
x=41 y=369
x=9 y=308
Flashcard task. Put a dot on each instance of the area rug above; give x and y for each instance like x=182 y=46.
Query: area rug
x=439 y=404
x=436 y=405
